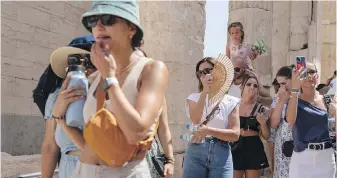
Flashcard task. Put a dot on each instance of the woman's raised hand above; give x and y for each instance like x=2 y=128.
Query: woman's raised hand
x=66 y=97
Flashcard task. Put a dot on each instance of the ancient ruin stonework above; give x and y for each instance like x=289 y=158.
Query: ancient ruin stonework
x=290 y=29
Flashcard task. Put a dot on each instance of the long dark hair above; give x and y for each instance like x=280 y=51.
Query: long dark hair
x=234 y=25
x=210 y=61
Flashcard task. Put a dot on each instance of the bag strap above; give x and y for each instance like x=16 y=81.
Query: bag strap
x=208 y=117
x=100 y=96
x=257 y=105
x=325 y=98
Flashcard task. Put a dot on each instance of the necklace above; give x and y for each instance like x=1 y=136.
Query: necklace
x=126 y=68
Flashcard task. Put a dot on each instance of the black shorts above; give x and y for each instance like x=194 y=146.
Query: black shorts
x=249 y=154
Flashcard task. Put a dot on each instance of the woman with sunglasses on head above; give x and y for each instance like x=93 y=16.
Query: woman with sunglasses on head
x=313 y=155
x=248 y=152
x=208 y=154
x=135 y=85
x=58 y=136
x=278 y=122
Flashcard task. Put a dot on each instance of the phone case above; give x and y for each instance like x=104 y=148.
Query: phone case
x=301 y=62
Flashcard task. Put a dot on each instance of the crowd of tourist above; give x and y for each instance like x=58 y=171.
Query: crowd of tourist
x=125 y=130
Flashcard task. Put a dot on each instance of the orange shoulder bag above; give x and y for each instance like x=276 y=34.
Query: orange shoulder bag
x=103 y=135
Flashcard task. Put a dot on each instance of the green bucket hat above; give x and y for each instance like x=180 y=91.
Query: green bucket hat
x=126 y=9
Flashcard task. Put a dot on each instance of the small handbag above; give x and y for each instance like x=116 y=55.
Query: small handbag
x=287 y=148
x=158 y=158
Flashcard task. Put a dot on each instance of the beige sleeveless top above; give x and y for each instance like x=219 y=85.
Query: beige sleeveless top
x=129 y=89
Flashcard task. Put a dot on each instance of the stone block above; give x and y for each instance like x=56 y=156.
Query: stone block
x=280 y=35
x=328 y=60
x=82 y=5
x=50 y=7
x=20 y=68
x=34 y=53
x=50 y=39
x=36 y=18
x=62 y=27
x=14 y=30
x=300 y=9
x=264 y=5
x=9 y=10
x=299 y=25
x=24 y=87
x=297 y=41
x=328 y=10
x=8 y=47
x=328 y=33
x=73 y=14
x=8 y=86
x=21 y=134
x=16 y=105
x=9 y=128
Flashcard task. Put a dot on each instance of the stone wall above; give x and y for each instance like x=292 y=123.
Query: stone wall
x=327 y=35
x=30 y=32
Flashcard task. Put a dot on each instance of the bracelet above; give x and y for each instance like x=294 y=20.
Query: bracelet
x=168 y=162
x=61 y=117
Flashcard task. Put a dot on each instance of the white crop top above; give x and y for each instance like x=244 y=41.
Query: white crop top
x=220 y=119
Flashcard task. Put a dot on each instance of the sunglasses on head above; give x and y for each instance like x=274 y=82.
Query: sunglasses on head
x=106 y=20
x=237 y=69
x=250 y=84
x=204 y=72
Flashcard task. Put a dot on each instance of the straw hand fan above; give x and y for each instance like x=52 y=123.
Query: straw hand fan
x=223 y=74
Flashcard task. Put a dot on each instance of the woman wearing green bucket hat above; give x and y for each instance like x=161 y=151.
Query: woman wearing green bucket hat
x=135 y=86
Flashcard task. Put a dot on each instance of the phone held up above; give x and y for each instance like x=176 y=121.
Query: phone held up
x=301 y=63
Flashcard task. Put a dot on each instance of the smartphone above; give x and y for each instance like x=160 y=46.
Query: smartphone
x=301 y=63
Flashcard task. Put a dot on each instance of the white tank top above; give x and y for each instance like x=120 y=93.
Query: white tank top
x=129 y=89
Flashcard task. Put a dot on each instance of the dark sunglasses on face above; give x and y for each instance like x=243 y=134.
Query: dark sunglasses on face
x=205 y=72
x=311 y=72
x=237 y=69
x=106 y=20
x=250 y=84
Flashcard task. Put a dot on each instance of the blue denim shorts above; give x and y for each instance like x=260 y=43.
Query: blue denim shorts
x=211 y=159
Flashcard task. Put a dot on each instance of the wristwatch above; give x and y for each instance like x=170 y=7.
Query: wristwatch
x=107 y=82
x=295 y=91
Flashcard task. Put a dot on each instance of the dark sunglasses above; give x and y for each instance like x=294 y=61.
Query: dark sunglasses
x=250 y=84
x=106 y=20
x=237 y=69
x=311 y=72
x=205 y=72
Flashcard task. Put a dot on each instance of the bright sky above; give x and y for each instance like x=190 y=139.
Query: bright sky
x=216 y=24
